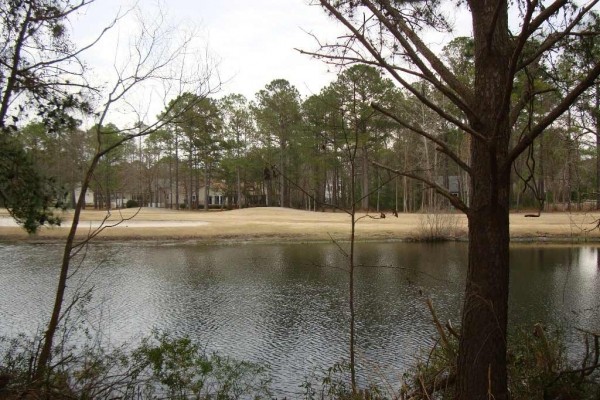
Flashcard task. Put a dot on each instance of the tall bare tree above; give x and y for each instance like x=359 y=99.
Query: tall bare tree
x=391 y=34
x=155 y=59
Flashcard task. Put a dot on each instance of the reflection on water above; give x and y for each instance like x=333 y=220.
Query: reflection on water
x=286 y=304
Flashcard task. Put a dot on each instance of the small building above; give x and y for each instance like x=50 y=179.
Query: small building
x=215 y=195
x=89 y=196
x=453 y=186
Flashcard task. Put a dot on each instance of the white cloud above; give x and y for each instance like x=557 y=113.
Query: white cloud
x=254 y=40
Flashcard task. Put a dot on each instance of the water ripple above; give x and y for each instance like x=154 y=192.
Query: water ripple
x=278 y=304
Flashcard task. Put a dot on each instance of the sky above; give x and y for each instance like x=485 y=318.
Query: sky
x=252 y=41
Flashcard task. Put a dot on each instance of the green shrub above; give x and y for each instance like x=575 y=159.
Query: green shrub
x=538 y=369
x=178 y=369
x=131 y=203
x=334 y=384
x=160 y=367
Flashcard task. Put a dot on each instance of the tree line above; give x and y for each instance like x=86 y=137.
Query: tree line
x=280 y=149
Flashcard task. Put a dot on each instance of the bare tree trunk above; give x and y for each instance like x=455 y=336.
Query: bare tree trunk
x=191 y=179
x=405 y=182
x=269 y=192
x=170 y=205
x=365 y=179
x=282 y=172
x=41 y=368
x=335 y=188
x=206 y=187
x=576 y=161
x=176 y=168
x=481 y=368
x=378 y=189
x=434 y=176
x=569 y=162
x=238 y=187
x=396 y=194
x=597 y=130
x=323 y=191
x=482 y=351
x=446 y=167
x=408 y=200
x=197 y=180
x=542 y=180
x=351 y=277
x=427 y=197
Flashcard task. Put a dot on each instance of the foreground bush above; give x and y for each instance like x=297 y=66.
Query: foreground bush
x=164 y=367
x=179 y=369
x=160 y=367
x=538 y=367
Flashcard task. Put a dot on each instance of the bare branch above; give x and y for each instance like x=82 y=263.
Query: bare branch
x=149 y=63
x=552 y=39
x=105 y=225
x=384 y=64
x=70 y=56
x=465 y=96
x=538 y=129
x=526 y=96
x=542 y=17
x=455 y=201
x=345 y=61
x=443 y=145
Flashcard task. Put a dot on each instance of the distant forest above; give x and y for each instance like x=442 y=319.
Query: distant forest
x=280 y=149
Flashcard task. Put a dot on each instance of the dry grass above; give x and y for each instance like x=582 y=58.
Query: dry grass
x=276 y=224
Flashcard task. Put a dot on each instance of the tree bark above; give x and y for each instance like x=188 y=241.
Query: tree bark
x=351 y=266
x=597 y=131
x=176 y=169
x=11 y=81
x=238 y=187
x=482 y=370
x=282 y=172
x=482 y=348
x=542 y=182
x=191 y=179
x=206 y=187
x=365 y=178
x=405 y=182
x=41 y=368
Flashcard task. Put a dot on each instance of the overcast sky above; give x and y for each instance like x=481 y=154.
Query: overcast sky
x=253 y=40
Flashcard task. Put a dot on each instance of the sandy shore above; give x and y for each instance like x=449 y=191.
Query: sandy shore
x=276 y=224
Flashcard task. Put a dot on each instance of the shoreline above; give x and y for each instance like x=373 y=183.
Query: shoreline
x=277 y=225
x=245 y=241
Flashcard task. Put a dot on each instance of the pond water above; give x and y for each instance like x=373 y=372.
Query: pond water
x=286 y=304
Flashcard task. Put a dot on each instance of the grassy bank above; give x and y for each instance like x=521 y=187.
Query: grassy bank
x=277 y=224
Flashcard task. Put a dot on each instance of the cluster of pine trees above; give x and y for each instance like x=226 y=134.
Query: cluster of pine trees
x=280 y=149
